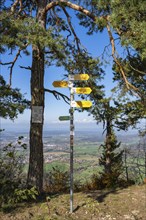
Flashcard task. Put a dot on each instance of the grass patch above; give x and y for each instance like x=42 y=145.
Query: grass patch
x=63 y=166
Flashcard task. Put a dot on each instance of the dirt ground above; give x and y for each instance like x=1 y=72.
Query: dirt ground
x=122 y=204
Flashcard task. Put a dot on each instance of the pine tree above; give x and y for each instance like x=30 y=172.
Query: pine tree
x=119 y=115
x=111 y=159
x=39 y=24
x=12 y=102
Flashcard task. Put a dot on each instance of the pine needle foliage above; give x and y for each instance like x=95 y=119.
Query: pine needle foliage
x=12 y=102
x=111 y=161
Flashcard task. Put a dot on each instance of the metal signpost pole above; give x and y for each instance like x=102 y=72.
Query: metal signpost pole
x=77 y=104
x=71 y=145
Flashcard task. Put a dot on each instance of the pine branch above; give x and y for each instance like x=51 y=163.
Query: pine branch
x=121 y=68
x=12 y=63
x=94 y=18
x=70 y=5
x=57 y=95
x=13 y=7
x=130 y=59
x=107 y=48
x=141 y=72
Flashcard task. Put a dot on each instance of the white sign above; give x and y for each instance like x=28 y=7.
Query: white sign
x=71 y=77
x=73 y=104
x=73 y=90
x=37 y=114
x=72 y=133
x=70 y=84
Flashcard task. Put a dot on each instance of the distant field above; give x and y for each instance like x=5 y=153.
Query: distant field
x=86 y=149
x=85 y=161
x=62 y=166
x=86 y=157
x=86 y=154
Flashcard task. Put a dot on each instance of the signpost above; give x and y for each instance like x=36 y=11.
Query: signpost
x=80 y=90
x=73 y=104
x=71 y=146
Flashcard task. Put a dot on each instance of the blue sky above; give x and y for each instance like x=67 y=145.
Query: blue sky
x=54 y=108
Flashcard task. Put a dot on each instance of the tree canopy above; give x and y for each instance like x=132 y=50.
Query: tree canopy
x=47 y=27
x=12 y=102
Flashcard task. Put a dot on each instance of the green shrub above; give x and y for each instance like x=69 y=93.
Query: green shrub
x=93 y=183
x=57 y=181
x=12 y=179
x=25 y=194
x=77 y=186
x=106 y=181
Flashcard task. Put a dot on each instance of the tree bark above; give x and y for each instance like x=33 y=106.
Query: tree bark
x=108 y=149
x=35 y=171
x=108 y=141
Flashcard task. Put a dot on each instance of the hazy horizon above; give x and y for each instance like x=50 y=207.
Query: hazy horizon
x=62 y=126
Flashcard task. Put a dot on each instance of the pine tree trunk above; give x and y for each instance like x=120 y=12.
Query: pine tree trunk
x=108 y=141
x=35 y=172
x=126 y=166
x=108 y=148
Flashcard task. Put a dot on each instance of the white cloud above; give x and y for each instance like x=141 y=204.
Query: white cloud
x=84 y=120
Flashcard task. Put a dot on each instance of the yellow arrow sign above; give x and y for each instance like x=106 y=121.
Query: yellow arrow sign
x=62 y=84
x=79 y=77
x=81 y=104
x=84 y=90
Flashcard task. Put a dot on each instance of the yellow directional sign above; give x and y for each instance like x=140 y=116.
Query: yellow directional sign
x=79 y=77
x=62 y=84
x=84 y=90
x=81 y=104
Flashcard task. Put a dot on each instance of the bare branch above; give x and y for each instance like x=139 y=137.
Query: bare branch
x=57 y=95
x=130 y=59
x=141 y=72
x=25 y=67
x=121 y=68
x=5 y=64
x=12 y=63
x=72 y=29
